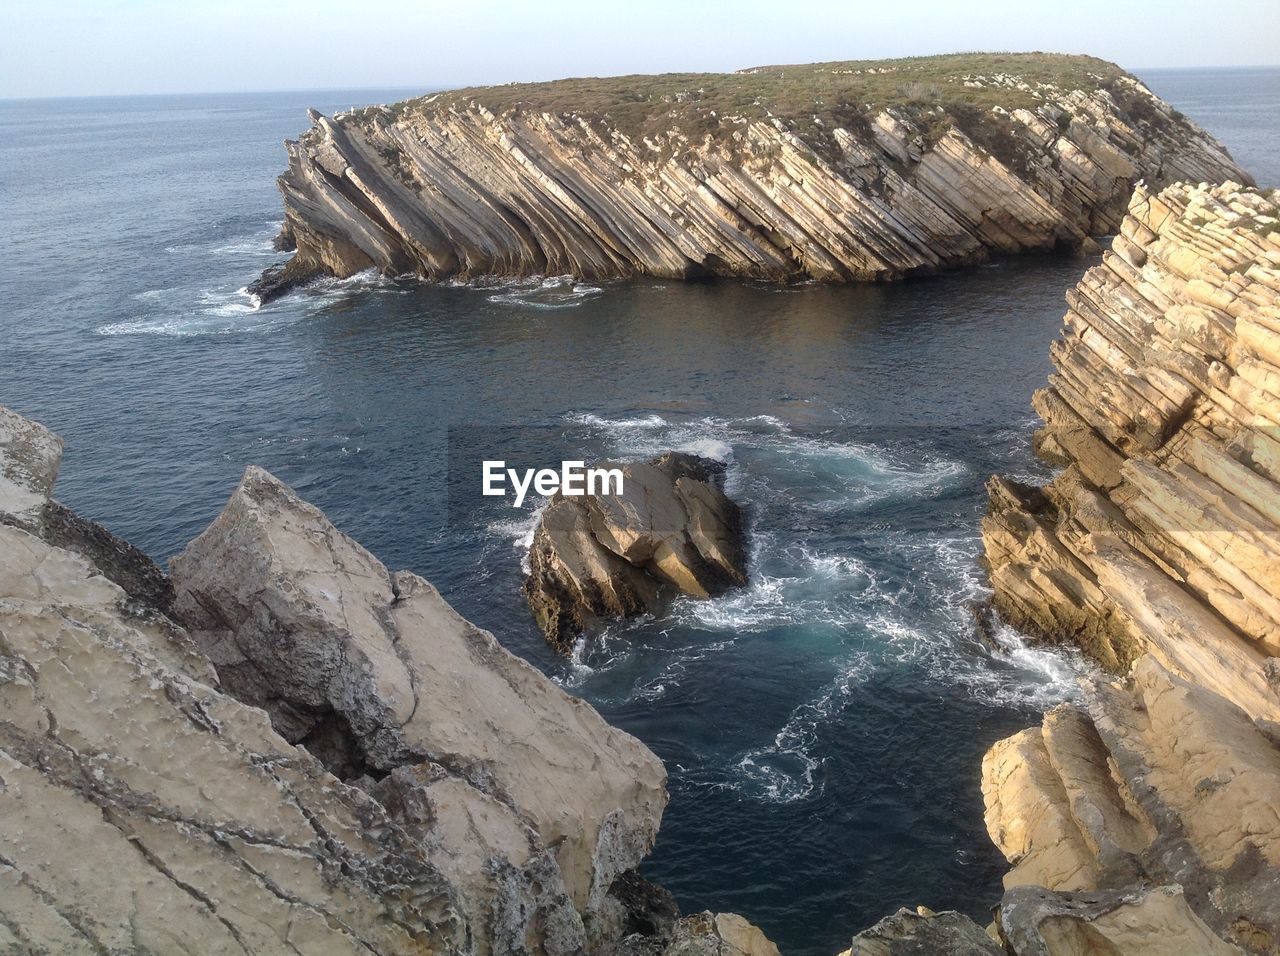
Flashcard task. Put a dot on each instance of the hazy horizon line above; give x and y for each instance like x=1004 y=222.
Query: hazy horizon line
x=438 y=88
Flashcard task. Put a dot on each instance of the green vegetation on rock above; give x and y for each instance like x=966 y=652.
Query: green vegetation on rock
x=826 y=95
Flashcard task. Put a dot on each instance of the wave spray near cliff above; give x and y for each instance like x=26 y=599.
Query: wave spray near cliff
x=834 y=570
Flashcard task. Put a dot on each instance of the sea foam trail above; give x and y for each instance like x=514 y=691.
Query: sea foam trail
x=836 y=566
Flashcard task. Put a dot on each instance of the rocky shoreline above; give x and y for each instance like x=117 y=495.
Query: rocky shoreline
x=283 y=747
x=837 y=172
x=1149 y=815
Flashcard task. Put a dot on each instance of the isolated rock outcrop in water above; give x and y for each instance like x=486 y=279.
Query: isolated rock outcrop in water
x=607 y=556
x=1147 y=818
x=446 y=798
x=835 y=171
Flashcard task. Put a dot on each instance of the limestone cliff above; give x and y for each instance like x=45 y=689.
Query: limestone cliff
x=836 y=171
x=288 y=749
x=1148 y=815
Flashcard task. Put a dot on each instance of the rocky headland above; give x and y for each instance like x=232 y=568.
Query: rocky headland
x=604 y=556
x=858 y=171
x=285 y=748
x=1146 y=818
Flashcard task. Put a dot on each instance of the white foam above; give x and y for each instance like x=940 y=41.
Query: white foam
x=784 y=771
x=551 y=293
x=521 y=529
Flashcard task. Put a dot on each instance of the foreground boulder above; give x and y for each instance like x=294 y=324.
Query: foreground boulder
x=1143 y=921
x=924 y=933
x=671 y=530
x=481 y=756
x=329 y=761
x=702 y=934
x=148 y=811
x=1159 y=783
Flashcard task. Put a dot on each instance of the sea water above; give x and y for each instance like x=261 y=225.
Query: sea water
x=824 y=726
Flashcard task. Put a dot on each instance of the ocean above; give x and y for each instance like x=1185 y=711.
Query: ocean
x=823 y=728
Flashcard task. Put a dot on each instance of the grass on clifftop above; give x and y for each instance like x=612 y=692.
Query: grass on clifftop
x=837 y=94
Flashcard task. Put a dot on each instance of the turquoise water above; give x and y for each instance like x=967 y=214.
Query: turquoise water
x=823 y=728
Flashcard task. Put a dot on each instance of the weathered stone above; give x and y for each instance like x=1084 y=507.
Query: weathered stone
x=1160 y=535
x=717 y=934
x=30 y=455
x=117 y=758
x=29 y=458
x=1155 y=550
x=1137 y=922
x=486 y=813
x=924 y=933
x=601 y=556
x=373 y=671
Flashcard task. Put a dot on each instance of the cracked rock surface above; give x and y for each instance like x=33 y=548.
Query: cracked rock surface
x=1146 y=818
x=291 y=750
x=672 y=530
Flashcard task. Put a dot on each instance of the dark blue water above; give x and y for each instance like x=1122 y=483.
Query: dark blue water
x=824 y=727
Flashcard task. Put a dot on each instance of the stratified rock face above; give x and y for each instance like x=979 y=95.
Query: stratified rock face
x=837 y=172
x=1157 y=550
x=1161 y=533
x=154 y=799
x=606 y=556
x=485 y=760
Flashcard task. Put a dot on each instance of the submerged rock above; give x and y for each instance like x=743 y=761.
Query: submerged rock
x=909 y=168
x=607 y=556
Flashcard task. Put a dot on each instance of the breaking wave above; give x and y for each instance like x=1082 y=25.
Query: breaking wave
x=865 y=548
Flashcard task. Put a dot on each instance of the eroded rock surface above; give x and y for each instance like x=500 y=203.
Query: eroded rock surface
x=1147 y=818
x=1160 y=535
x=896 y=168
x=331 y=760
x=672 y=530
x=924 y=933
x=375 y=674
x=1138 y=922
x=702 y=934
x=146 y=811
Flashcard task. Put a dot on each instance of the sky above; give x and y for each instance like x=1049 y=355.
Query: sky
x=87 y=47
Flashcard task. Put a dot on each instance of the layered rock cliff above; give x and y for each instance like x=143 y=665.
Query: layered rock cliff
x=286 y=748
x=836 y=171
x=1157 y=550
